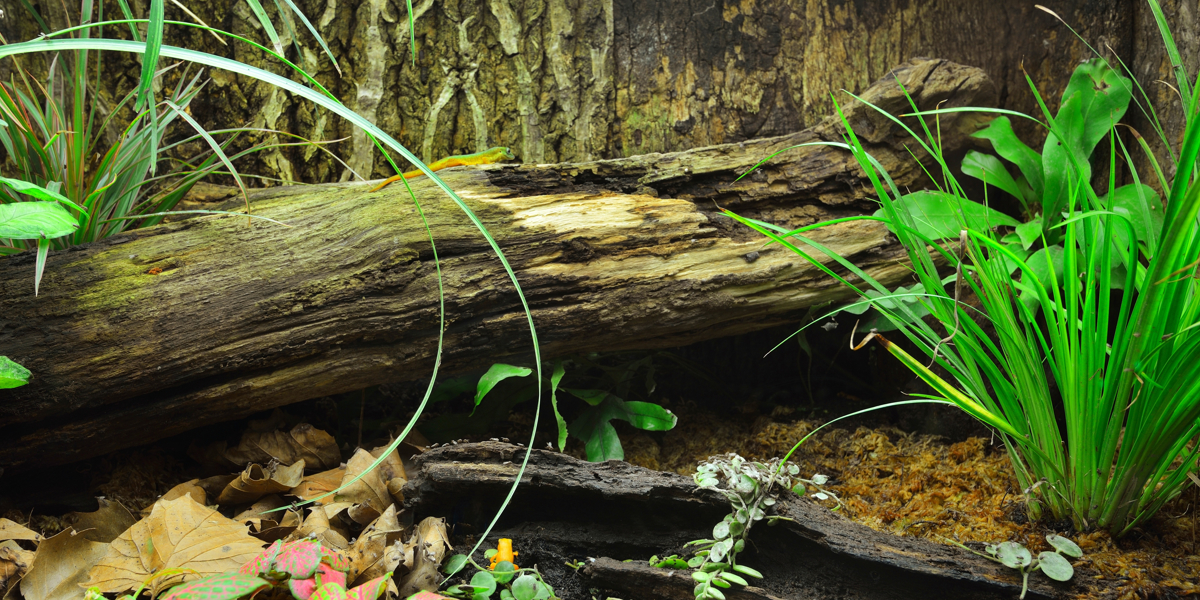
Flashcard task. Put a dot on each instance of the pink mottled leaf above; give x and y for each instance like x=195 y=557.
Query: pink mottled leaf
x=263 y=563
x=330 y=591
x=299 y=559
x=303 y=589
x=222 y=586
x=370 y=590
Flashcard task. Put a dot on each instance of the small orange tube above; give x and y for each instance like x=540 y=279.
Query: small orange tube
x=504 y=552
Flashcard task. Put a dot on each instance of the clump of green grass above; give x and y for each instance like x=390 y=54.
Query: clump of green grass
x=1123 y=368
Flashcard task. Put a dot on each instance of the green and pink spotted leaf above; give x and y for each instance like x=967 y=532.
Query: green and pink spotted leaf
x=222 y=586
x=424 y=595
x=303 y=589
x=299 y=559
x=370 y=590
x=334 y=559
x=263 y=563
x=330 y=591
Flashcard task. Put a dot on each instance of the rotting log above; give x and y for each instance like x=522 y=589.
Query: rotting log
x=616 y=254
x=569 y=509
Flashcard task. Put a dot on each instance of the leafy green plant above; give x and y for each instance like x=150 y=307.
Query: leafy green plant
x=506 y=580
x=1015 y=556
x=1124 y=369
x=604 y=400
x=12 y=374
x=752 y=488
x=1094 y=100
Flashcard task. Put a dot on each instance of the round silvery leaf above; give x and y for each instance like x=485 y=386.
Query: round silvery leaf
x=739 y=545
x=1064 y=545
x=768 y=501
x=819 y=479
x=717 y=554
x=799 y=489
x=756 y=513
x=741 y=515
x=736 y=529
x=821 y=496
x=1013 y=555
x=721 y=531
x=1055 y=566
x=793 y=470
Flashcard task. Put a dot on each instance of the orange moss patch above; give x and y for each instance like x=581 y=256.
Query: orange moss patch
x=914 y=485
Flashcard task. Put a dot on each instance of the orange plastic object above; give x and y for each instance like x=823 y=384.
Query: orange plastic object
x=504 y=552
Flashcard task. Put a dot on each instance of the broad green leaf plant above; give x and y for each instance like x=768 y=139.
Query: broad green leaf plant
x=1122 y=370
x=604 y=398
x=1094 y=100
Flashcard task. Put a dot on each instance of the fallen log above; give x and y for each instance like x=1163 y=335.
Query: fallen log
x=567 y=509
x=159 y=330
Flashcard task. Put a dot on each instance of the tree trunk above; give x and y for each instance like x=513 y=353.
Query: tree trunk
x=616 y=254
x=580 y=80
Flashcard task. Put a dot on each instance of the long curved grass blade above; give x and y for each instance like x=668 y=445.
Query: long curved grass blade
x=313 y=30
x=43 y=248
x=154 y=40
x=216 y=148
x=1177 y=66
x=265 y=21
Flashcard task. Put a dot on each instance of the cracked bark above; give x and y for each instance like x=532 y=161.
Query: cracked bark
x=578 y=80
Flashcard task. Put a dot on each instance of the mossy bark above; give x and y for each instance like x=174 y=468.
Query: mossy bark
x=167 y=328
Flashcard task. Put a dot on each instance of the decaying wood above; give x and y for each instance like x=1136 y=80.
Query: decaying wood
x=617 y=254
x=566 y=507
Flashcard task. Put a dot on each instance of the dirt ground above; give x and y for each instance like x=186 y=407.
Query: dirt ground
x=940 y=487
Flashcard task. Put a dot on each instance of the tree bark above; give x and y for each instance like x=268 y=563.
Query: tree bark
x=580 y=80
x=615 y=254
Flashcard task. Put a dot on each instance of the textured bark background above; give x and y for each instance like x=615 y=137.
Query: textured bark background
x=577 y=80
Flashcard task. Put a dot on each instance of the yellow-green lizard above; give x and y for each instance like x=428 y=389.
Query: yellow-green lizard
x=487 y=157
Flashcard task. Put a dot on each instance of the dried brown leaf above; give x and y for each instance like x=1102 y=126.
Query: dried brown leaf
x=377 y=550
x=320 y=483
x=178 y=533
x=105 y=524
x=61 y=566
x=317 y=526
x=14 y=563
x=265 y=441
x=191 y=488
x=430 y=545
x=269 y=526
x=368 y=497
x=11 y=530
x=258 y=481
x=391 y=471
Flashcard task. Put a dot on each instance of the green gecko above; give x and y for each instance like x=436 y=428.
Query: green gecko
x=487 y=157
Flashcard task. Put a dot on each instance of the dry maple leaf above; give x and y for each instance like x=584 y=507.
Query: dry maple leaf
x=257 y=481
x=11 y=530
x=264 y=441
x=366 y=498
x=61 y=564
x=178 y=533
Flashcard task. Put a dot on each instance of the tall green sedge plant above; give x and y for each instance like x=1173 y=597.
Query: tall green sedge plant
x=1124 y=369
x=152 y=50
